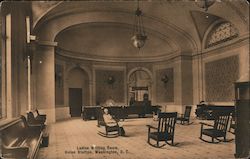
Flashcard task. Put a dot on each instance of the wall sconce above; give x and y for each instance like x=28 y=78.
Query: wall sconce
x=164 y=79
x=111 y=80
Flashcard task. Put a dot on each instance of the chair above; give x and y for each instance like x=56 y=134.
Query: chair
x=110 y=131
x=219 y=129
x=164 y=131
x=186 y=116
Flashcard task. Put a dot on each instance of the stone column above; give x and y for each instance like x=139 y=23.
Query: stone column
x=44 y=62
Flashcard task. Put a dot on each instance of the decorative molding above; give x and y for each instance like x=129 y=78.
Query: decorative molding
x=85 y=56
x=138 y=69
x=47 y=43
x=46 y=12
x=108 y=67
x=229 y=45
x=73 y=66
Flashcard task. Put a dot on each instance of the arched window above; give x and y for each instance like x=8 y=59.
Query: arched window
x=221 y=33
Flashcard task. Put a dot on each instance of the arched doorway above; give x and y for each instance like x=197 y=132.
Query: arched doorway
x=78 y=91
x=139 y=84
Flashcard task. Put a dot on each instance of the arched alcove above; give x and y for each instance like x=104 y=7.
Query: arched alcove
x=77 y=90
x=139 y=83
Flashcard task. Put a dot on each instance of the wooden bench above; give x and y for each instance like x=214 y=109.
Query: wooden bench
x=20 y=140
x=207 y=111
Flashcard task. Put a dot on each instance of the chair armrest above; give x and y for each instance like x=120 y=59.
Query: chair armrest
x=116 y=120
x=150 y=126
x=206 y=124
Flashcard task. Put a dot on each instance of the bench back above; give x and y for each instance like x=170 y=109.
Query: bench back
x=13 y=131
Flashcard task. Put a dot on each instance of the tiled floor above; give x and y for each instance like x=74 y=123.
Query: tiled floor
x=67 y=137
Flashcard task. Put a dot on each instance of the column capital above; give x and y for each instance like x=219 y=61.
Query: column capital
x=47 y=43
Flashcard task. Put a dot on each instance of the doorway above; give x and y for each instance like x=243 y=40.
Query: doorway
x=75 y=101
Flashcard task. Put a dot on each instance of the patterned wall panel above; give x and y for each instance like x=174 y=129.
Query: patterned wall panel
x=109 y=84
x=219 y=78
x=165 y=90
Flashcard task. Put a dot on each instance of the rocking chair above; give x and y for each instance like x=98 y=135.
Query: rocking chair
x=219 y=129
x=165 y=130
x=186 y=116
x=110 y=131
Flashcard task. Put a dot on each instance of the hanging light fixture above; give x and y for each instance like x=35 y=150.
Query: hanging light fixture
x=205 y=4
x=139 y=36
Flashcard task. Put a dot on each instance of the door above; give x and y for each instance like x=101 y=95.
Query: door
x=75 y=101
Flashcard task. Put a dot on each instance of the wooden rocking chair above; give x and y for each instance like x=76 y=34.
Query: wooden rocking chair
x=219 y=129
x=110 y=131
x=186 y=116
x=165 y=130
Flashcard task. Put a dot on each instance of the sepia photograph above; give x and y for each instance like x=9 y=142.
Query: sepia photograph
x=124 y=79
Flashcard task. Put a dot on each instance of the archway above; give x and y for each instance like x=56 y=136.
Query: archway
x=139 y=84
x=76 y=92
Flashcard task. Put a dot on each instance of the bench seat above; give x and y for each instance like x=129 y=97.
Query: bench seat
x=20 y=140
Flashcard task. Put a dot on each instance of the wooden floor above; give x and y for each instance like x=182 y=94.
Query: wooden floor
x=75 y=138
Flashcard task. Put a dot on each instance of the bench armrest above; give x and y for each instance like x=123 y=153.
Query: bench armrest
x=37 y=120
x=35 y=127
